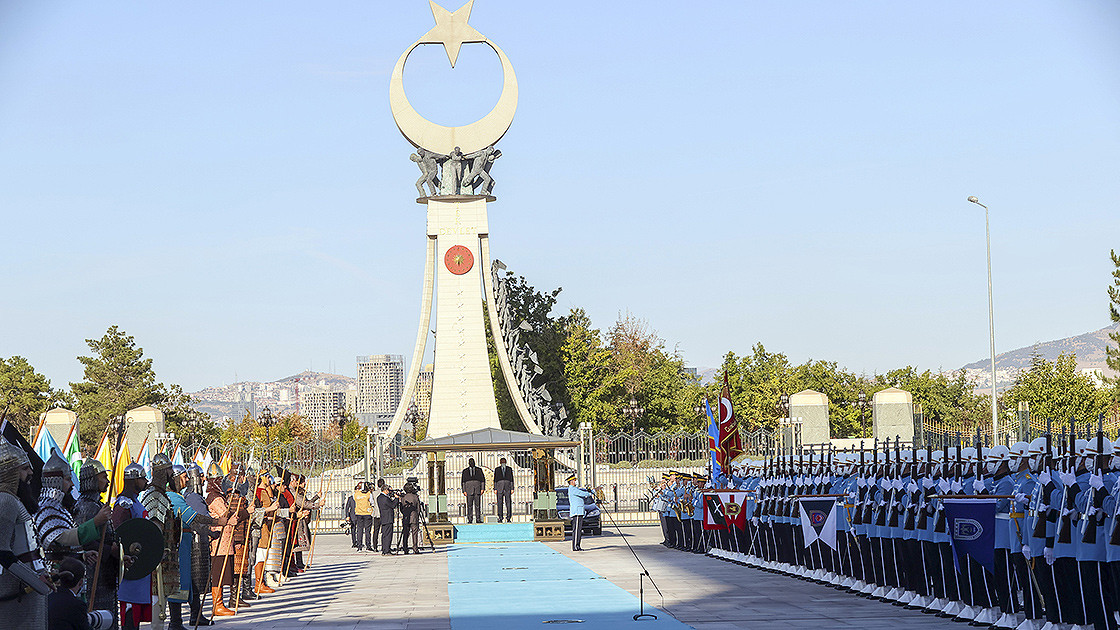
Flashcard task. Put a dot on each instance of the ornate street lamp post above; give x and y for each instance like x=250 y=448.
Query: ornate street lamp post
x=634 y=412
x=267 y=421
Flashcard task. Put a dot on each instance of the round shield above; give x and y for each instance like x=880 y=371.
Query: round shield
x=143 y=540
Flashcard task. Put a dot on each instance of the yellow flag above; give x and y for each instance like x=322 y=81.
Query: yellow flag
x=123 y=459
x=104 y=454
x=225 y=463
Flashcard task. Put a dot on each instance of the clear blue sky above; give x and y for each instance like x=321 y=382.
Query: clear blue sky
x=225 y=181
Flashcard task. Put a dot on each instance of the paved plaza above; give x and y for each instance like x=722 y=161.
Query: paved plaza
x=524 y=585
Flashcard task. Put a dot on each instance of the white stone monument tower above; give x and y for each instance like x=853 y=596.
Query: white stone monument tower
x=455 y=186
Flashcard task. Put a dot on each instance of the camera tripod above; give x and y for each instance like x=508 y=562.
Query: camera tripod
x=427 y=535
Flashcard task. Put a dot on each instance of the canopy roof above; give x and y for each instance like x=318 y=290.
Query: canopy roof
x=490 y=440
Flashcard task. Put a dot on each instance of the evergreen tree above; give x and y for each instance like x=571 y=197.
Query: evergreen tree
x=1112 y=358
x=26 y=394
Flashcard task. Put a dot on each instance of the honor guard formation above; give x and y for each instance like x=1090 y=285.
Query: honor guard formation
x=1026 y=536
x=178 y=538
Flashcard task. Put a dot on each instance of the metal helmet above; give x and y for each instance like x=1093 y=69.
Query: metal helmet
x=194 y=476
x=214 y=471
x=178 y=469
x=160 y=462
x=12 y=458
x=87 y=475
x=56 y=471
x=1037 y=447
x=134 y=471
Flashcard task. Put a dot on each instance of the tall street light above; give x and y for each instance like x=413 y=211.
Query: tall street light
x=991 y=316
x=634 y=412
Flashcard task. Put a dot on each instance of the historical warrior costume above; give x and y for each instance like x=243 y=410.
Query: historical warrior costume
x=221 y=544
x=167 y=509
x=54 y=525
x=135 y=596
x=91 y=478
x=18 y=609
x=196 y=540
x=266 y=504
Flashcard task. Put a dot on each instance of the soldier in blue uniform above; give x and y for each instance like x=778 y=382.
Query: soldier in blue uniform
x=576 y=495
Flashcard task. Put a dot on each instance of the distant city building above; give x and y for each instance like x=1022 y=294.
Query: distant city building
x=244 y=402
x=690 y=371
x=423 y=397
x=380 y=383
x=321 y=409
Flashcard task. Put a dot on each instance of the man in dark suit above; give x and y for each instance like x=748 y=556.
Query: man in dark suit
x=503 y=489
x=386 y=505
x=474 y=483
x=64 y=610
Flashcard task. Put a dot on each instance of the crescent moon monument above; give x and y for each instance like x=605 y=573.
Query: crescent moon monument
x=455 y=186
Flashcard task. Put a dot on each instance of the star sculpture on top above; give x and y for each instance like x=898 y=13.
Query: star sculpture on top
x=452 y=30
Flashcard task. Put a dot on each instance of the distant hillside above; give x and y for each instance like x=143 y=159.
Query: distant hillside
x=280 y=396
x=1089 y=349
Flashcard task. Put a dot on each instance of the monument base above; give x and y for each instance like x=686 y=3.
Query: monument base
x=548 y=530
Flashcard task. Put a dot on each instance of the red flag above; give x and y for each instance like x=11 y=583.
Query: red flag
x=728 y=427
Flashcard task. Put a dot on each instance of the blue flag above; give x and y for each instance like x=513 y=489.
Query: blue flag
x=972 y=526
x=714 y=447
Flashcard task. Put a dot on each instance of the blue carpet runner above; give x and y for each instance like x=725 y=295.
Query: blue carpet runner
x=494 y=532
x=525 y=585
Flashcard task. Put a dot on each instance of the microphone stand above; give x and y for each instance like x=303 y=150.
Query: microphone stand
x=642 y=614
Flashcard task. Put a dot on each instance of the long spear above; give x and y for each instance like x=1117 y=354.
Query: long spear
x=105 y=528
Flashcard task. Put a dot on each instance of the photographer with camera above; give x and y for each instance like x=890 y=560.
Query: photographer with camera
x=387 y=504
x=65 y=610
x=410 y=517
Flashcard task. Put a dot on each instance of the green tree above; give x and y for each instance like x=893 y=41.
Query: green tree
x=117 y=378
x=1112 y=355
x=26 y=393
x=587 y=373
x=1057 y=391
x=756 y=383
x=544 y=336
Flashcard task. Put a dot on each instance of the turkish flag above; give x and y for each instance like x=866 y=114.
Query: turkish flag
x=729 y=439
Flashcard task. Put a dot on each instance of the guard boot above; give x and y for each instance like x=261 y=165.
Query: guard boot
x=247 y=593
x=258 y=573
x=220 y=609
x=175 y=616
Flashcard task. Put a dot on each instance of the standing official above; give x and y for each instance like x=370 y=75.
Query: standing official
x=576 y=495
x=503 y=489
x=474 y=483
x=386 y=504
x=410 y=517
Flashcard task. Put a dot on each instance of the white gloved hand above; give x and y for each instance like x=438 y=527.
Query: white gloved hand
x=1048 y=554
x=754 y=520
x=956 y=486
x=861 y=482
x=885 y=484
x=897 y=484
x=1096 y=481
x=1044 y=478
x=978 y=486
x=944 y=486
x=911 y=487
x=1027 y=550
x=1020 y=497
x=1068 y=478
x=927 y=483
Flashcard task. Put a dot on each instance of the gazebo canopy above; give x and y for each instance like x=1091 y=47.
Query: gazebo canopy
x=490 y=440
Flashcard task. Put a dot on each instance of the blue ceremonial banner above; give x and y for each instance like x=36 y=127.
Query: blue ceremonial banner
x=714 y=447
x=972 y=525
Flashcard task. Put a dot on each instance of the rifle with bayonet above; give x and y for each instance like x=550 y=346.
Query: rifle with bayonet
x=1069 y=493
x=1096 y=517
